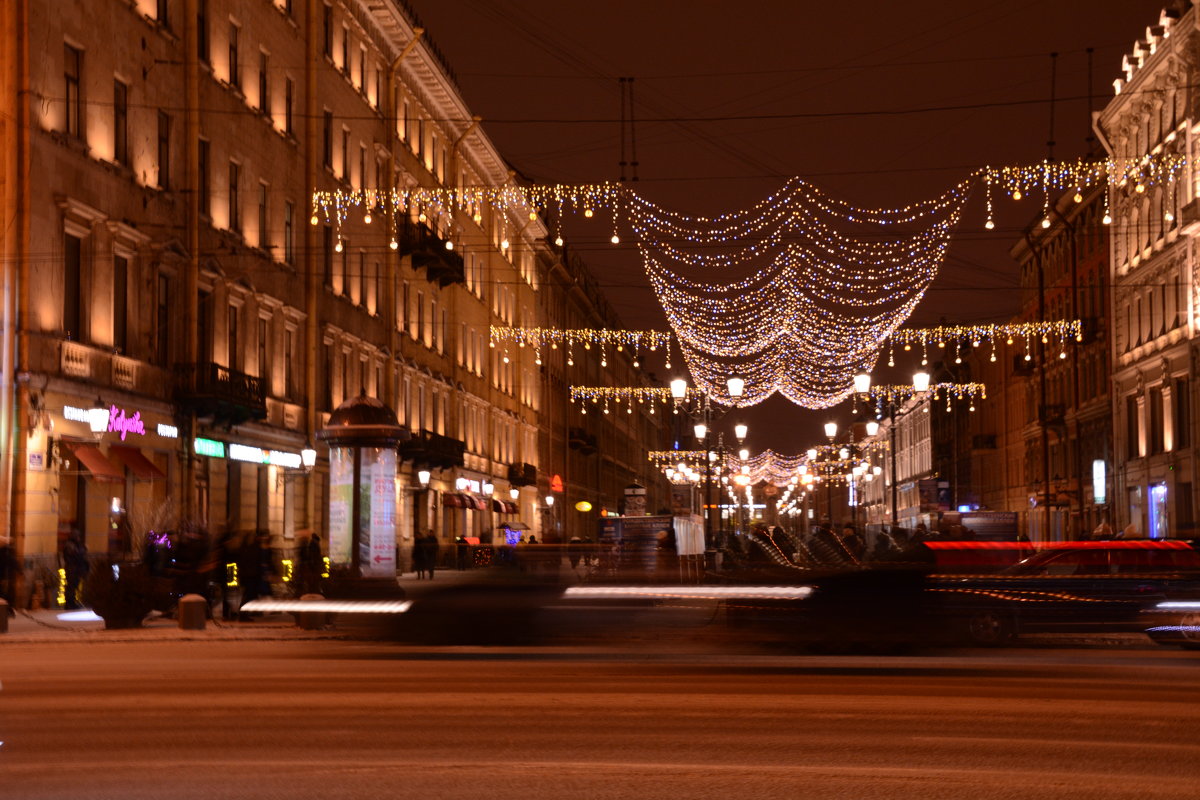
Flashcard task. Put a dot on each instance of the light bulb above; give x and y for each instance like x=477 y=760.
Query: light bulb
x=532 y=216
x=989 y=225
x=615 y=239
x=558 y=241
x=367 y=218
x=394 y=244
x=313 y=220
x=478 y=218
x=1140 y=189
x=504 y=244
x=1046 y=222
x=1017 y=194
x=421 y=217
x=449 y=245
x=1107 y=219
x=1078 y=197
x=1169 y=217
x=337 y=248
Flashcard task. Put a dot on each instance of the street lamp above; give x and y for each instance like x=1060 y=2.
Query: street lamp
x=740 y=430
x=862 y=383
x=423 y=478
x=920 y=382
x=831 y=430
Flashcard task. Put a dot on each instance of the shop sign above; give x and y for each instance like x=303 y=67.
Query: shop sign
x=556 y=483
x=168 y=431
x=122 y=423
x=257 y=455
x=208 y=447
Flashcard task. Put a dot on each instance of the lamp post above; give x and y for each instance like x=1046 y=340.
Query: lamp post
x=831 y=429
x=704 y=415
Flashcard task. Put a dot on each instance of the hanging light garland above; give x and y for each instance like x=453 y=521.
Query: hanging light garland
x=897 y=394
x=1055 y=332
x=542 y=339
x=606 y=396
x=808 y=288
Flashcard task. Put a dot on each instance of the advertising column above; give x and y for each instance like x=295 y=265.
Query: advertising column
x=341 y=487
x=377 y=549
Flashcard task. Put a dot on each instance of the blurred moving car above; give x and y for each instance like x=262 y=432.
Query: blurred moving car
x=1088 y=586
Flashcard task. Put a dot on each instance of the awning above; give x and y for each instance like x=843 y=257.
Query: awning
x=479 y=503
x=141 y=466
x=90 y=456
x=498 y=506
x=451 y=500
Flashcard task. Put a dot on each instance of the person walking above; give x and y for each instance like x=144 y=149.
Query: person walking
x=75 y=566
x=311 y=564
x=431 y=548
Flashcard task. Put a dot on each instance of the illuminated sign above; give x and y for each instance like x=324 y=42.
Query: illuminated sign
x=168 y=431
x=74 y=414
x=556 y=484
x=257 y=455
x=1099 y=482
x=123 y=424
x=583 y=505
x=208 y=447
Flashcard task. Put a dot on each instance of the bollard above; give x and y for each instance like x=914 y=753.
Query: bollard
x=311 y=620
x=3 y=615
x=192 y=612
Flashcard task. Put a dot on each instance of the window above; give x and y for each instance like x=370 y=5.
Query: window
x=234 y=352
x=346 y=50
x=345 y=154
x=327 y=255
x=73 y=78
x=164 y=150
x=362 y=69
x=205 y=187
x=327 y=374
x=289 y=232
x=264 y=240
x=362 y=166
x=289 y=92
x=72 y=287
x=204 y=326
x=327 y=139
x=264 y=83
x=235 y=77
x=1156 y=421
x=289 y=369
x=162 y=13
x=202 y=31
x=162 y=321
x=235 y=200
x=327 y=31
x=1181 y=400
x=377 y=300
x=120 y=315
x=262 y=353
x=120 y=123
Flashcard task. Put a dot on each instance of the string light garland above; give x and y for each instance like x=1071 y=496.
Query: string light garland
x=896 y=394
x=541 y=339
x=796 y=294
x=1054 y=332
x=606 y=396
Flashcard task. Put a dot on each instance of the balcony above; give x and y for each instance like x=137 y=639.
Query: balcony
x=428 y=449
x=217 y=393
x=522 y=474
x=428 y=251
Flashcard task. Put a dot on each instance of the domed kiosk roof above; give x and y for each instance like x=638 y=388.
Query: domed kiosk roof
x=363 y=422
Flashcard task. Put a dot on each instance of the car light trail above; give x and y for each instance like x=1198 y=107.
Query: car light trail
x=332 y=606
x=693 y=592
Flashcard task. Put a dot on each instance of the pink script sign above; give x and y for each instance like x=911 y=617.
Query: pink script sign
x=117 y=421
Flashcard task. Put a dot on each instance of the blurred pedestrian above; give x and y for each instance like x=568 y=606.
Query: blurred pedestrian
x=312 y=564
x=429 y=552
x=461 y=551
x=75 y=566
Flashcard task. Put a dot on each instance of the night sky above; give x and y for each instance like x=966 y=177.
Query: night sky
x=879 y=103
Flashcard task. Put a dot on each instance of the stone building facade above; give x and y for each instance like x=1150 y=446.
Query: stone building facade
x=160 y=263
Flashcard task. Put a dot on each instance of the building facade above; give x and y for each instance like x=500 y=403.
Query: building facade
x=1153 y=278
x=160 y=264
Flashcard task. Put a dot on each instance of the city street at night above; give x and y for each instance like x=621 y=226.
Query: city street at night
x=343 y=719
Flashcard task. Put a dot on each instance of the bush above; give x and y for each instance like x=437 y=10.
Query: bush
x=122 y=594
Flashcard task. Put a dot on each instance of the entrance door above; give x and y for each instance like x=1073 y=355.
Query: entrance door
x=1158 y=511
